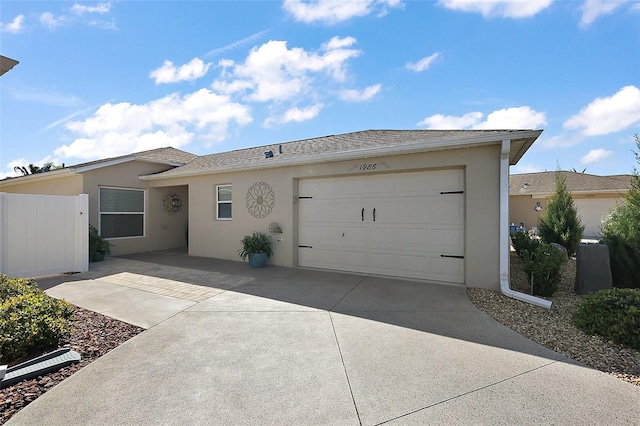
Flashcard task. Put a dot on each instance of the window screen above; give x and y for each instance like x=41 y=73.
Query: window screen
x=121 y=212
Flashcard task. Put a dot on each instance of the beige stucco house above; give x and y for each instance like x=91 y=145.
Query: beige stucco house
x=127 y=210
x=594 y=196
x=424 y=204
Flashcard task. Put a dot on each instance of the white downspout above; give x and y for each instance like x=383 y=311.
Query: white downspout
x=504 y=233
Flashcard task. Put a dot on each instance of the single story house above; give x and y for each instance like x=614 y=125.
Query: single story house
x=594 y=197
x=127 y=211
x=424 y=204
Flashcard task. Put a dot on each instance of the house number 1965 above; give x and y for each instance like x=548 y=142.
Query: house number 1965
x=369 y=166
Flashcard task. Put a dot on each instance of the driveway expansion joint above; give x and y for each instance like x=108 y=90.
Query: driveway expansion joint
x=506 y=379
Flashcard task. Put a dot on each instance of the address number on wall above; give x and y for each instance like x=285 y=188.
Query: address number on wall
x=367 y=166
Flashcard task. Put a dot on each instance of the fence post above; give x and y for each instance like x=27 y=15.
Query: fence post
x=3 y=230
x=81 y=255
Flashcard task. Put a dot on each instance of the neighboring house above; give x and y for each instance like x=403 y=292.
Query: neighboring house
x=123 y=207
x=594 y=196
x=426 y=204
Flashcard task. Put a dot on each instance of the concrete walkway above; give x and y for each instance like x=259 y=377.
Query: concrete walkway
x=226 y=344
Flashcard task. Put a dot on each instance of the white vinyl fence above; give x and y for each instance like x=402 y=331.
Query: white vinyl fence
x=43 y=234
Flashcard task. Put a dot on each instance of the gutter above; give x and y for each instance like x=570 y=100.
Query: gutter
x=504 y=235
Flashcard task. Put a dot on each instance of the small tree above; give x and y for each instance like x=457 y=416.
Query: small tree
x=560 y=222
x=622 y=233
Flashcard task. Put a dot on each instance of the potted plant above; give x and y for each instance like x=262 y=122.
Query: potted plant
x=257 y=247
x=98 y=246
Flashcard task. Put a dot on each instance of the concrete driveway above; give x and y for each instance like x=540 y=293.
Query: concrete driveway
x=226 y=344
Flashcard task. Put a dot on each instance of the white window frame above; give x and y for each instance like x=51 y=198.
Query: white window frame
x=144 y=212
x=218 y=202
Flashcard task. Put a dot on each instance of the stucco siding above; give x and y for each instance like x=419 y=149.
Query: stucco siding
x=210 y=237
x=522 y=209
x=63 y=185
x=163 y=230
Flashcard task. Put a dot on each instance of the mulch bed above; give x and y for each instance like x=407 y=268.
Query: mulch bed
x=93 y=336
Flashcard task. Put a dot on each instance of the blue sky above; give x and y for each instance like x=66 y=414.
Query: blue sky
x=102 y=79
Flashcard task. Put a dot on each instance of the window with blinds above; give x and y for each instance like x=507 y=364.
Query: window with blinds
x=121 y=212
x=223 y=202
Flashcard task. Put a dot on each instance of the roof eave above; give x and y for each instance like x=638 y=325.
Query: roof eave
x=116 y=161
x=52 y=174
x=529 y=136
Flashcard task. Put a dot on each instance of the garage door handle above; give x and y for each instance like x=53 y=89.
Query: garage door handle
x=374 y=214
x=452 y=256
x=363 y=214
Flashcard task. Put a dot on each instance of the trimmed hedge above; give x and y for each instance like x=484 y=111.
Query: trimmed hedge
x=613 y=314
x=30 y=320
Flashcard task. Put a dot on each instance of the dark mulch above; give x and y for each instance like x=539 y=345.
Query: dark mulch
x=93 y=336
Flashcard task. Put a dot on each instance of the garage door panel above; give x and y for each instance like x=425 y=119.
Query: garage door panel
x=414 y=224
x=447 y=269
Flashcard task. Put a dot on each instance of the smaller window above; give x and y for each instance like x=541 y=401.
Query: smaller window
x=223 y=202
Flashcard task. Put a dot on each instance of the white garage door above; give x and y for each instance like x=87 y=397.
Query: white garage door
x=401 y=224
x=592 y=211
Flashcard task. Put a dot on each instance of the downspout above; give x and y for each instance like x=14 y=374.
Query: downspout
x=504 y=233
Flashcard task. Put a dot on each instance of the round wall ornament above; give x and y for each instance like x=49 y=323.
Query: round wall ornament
x=260 y=200
x=171 y=202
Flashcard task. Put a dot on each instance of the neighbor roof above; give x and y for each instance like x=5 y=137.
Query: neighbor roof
x=351 y=146
x=545 y=183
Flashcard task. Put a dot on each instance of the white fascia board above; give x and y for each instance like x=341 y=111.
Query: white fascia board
x=408 y=148
x=117 y=161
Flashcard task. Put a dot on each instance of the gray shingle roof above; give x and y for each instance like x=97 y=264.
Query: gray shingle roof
x=165 y=155
x=310 y=149
x=545 y=183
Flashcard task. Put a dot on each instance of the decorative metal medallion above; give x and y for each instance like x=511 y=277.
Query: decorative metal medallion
x=171 y=202
x=260 y=200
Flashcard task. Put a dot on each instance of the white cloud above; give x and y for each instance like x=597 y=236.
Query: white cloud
x=190 y=71
x=273 y=72
x=301 y=114
x=608 y=115
x=593 y=9
x=564 y=140
x=507 y=118
x=117 y=129
x=100 y=8
x=525 y=168
x=501 y=8
x=423 y=63
x=513 y=118
x=360 y=96
x=49 y=20
x=439 y=121
x=236 y=44
x=334 y=11
x=595 y=156
x=13 y=27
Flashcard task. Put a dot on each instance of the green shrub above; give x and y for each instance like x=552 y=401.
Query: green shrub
x=613 y=314
x=624 y=261
x=522 y=241
x=97 y=243
x=560 y=222
x=545 y=264
x=622 y=233
x=10 y=287
x=30 y=320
